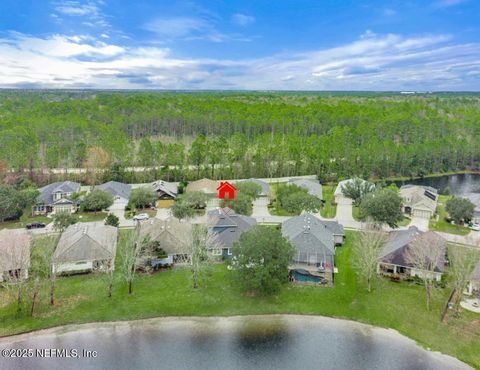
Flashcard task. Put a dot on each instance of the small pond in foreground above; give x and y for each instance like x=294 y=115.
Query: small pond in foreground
x=267 y=342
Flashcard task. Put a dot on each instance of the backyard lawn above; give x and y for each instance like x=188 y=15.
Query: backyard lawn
x=442 y=224
x=82 y=298
x=26 y=218
x=329 y=209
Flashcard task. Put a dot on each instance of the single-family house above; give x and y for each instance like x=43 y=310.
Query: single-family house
x=165 y=190
x=120 y=193
x=173 y=236
x=338 y=194
x=313 y=186
x=473 y=286
x=314 y=243
x=14 y=254
x=55 y=198
x=419 y=201
x=227 y=226
x=85 y=247
x=394 y=258
x=206 y=186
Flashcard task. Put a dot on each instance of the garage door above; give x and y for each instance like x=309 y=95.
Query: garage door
x=421 y=213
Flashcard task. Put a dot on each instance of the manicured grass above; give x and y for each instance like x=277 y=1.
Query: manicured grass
x=329 y=209
x=150 y=212
x=25 y=219
x=90 y=216
x=442 y=224
x=401 y=306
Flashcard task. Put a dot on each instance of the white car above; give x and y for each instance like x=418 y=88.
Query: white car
x=475 y=227
x=140 y=217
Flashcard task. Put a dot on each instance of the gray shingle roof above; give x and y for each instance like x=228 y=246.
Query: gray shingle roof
x=309 y=235
x=46 y=192
x=313 y=187
x=228 y=226
x=14 y=249
x=117 y=189
x=396 y=247
x=173 y=234
x=86 y=241
x=165 y=187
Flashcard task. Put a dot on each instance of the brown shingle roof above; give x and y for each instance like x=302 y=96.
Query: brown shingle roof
x=14 y=250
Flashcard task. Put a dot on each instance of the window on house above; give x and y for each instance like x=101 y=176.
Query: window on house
x=216 y=252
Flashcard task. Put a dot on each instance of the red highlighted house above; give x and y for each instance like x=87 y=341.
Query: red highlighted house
x=226 y=190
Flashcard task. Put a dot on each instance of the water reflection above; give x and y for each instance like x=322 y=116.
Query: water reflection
x=277 y=342
x=467 y=186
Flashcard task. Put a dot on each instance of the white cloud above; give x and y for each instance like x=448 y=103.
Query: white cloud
x=380 y=62
x=242 y=19
x=75 y=8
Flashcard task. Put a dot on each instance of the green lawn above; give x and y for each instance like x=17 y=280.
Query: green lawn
x=442 y=224
x=90 y=216
x=150 y=212
x=329 y=209
x=400 y=306
x=26 y=218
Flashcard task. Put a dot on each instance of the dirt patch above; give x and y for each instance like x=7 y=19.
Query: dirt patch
x=63 y=304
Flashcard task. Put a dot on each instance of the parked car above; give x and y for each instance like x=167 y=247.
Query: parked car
x=475 y=227
x=36 y=225
x=141 y=217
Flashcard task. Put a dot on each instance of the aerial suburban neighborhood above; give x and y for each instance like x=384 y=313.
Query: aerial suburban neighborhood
x=239 y=185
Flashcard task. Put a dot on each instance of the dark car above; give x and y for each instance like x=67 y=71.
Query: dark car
x=36 y=225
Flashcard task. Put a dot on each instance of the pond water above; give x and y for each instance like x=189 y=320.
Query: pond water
x=465 y=185
x=267 y=342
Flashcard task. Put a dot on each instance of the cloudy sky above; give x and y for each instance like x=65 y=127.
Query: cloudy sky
x=241 y=44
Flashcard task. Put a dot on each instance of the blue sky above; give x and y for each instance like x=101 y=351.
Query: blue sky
x=423 y=45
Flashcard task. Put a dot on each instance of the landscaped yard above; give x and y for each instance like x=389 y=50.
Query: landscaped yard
x=329 y=209
x=90 y=216
x=401 y=306
x=25 y=219
x=149 y=211
x=442 y=224
x=275 y=208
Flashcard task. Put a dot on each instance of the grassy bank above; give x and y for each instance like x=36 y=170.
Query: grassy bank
x=401 y=306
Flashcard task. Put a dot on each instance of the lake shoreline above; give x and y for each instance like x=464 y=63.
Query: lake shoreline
x=224 y=323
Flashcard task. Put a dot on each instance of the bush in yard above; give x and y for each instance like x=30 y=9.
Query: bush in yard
x=260 y=260
x=249 y=188
x=195 y=199
x=383 y=206
x=295 y=199
x=242 y=204
x=460 y=209
x=357 y=189
x=63 y=220
x=11 y=203
x=142 y=198
x=97 y=200
x=112 y=220
x=182 y=210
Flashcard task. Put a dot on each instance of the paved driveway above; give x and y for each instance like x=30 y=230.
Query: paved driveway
x=420 y=222
x=260 y=208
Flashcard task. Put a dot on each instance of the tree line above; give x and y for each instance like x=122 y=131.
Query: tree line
x=232 y=135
